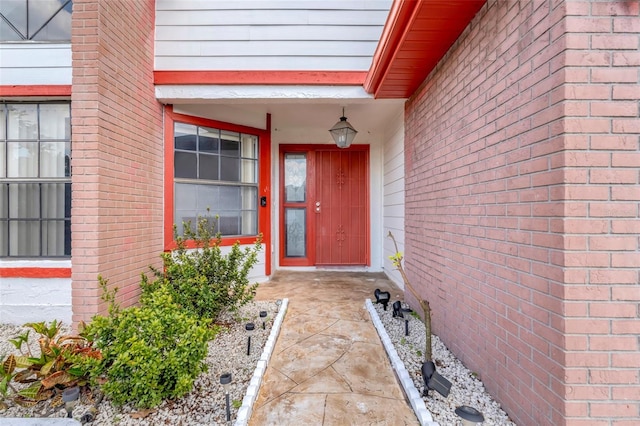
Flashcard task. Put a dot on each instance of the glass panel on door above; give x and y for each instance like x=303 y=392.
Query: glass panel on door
x=295 y=178
x=295 y=236
x=295 y=210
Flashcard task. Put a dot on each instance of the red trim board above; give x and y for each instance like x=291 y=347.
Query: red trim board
x=35 y=272
x=334 y=78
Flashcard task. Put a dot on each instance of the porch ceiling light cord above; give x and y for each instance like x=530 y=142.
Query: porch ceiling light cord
x=342 y=132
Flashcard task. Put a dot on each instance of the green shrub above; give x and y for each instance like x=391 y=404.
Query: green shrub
x=151 y=352
x=203 y=281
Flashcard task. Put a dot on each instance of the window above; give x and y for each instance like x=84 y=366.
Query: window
x=216 y=176
x=35 y=180
x=36 y=20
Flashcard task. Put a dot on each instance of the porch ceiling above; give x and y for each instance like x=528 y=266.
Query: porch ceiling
x=416 y=36
x=300 y=120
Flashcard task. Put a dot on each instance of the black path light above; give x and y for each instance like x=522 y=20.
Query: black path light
x=469 y=415
x=433 y=380
x=263 y=315
x=399 y=312
x=225 y=381
x=382 y=297
x=250 y=327
x=70 y=398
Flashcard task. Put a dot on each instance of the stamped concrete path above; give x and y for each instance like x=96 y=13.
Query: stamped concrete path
x=328 y=366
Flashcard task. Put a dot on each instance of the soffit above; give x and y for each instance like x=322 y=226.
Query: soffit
x=416 y=36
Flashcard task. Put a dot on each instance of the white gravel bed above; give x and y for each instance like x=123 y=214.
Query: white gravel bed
x=205 y=404
x=466 y=388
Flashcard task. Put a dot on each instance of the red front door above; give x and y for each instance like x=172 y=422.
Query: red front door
x=324 y=210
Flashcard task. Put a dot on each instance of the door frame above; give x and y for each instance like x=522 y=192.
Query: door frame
x=310 y=260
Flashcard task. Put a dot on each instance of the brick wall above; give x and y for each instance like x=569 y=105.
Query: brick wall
x=117 y=151
x=601 y=198
x=522 y=155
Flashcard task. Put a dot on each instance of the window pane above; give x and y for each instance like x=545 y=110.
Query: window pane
x=209 y=140
x=185 y=136
x=23 y=159
x=249 y=198
x=24 y=238
x=4 y=201
x=249 y=223
x=186 y=165
x=208 y=167
x=228 y=224
x=7 y=33
x=16 y=12
x=249 y=172
x=53 y=200
x=3 y=122
x=67 y=236
x=295 y=232
x=230 y=144
x=58 y=29
x=53 y=238
x=3 y=159
x=24 y=200
x=249 y=146
x=4 y=238
x=185 y=202
x=295 y=177
x=54 y=121
x=67 y=203
x=53 y=159
x=23 y=122
x=229 y=198
x=229 y=169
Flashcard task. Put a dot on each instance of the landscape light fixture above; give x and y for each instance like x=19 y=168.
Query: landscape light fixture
x=469 y=415
x=250 y=327
x=70 y=398
x=433 y=380
x=225 y=381
x=263 y=315
x=382 y=297
x=342 y=132
x=399 y=312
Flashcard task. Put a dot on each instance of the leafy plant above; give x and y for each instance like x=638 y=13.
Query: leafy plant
x=202 y=280
x=60 y=363
x=151 y=352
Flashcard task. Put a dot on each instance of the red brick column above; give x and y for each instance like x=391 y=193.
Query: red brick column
x=117 y=150
x=522 y=155
x=601 y=198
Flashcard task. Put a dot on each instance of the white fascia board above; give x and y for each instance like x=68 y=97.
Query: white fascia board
x=206 y=93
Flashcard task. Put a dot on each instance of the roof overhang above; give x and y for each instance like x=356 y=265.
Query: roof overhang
x=416 y=36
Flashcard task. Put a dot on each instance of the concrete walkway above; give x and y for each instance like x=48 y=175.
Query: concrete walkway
x=328 y=366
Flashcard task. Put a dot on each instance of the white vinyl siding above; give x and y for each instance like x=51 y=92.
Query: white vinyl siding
x=268 y=35
x=394 y=194
x=35 y=64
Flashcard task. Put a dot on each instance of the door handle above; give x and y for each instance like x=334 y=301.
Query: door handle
x=317 y=206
